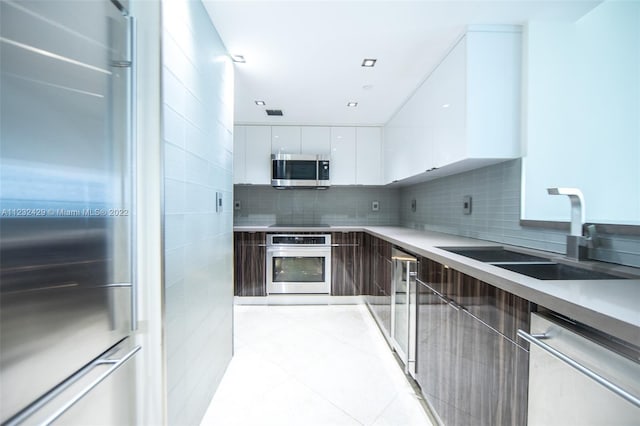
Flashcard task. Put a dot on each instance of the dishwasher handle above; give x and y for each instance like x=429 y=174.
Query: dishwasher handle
x=536 y=339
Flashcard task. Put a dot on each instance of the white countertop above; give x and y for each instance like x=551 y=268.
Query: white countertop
x=612 y=306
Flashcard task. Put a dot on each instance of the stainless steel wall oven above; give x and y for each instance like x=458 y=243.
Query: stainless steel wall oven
x=298 y=264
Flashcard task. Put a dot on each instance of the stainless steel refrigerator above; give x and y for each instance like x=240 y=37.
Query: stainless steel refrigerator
x=66 y=352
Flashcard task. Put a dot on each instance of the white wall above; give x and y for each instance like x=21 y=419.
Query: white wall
x=197 y=92
x=583 y=115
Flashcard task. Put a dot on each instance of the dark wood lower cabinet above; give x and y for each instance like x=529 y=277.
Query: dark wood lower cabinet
x=346 y=263
x=468 y=366
x=378 y=288
x=249 y=257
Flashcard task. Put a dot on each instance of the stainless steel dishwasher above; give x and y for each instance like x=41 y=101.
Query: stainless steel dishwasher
x=577 y=376
x=403 y=308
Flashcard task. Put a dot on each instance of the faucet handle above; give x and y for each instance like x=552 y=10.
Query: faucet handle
x=592 y=236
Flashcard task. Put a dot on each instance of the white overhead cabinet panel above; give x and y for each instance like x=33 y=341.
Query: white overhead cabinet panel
x=343 y=155
x=465 y=115
x=239 y=150
x=252 y=155
x=258 y=155
x=369 y=156
x=315 y=140
x=286 y=139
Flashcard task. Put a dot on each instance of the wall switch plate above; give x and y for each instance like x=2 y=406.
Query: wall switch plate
x=219 y=202
x=375 y=206
x=414 y=205
x=466 y=204
x=236 y=205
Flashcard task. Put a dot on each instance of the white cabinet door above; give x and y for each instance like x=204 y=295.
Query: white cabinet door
x=368 y=156
x=239 y=133
x=343 y=155
x=285 y=140
x=465 y=115
x=448 y=107
x=316 y=140
x=258 y=155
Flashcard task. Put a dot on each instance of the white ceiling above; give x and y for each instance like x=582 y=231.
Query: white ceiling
x=304 y=56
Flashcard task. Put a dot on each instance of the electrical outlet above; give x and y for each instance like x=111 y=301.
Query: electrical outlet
x=375 y=206
x=236 y=205
x=414 y=205
x=466 y=204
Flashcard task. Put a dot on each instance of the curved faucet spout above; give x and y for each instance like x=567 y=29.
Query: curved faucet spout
x=577 y=207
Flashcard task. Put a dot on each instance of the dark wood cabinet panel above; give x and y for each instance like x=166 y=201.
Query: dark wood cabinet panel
x=346 y=263
x=249 y=259
x=467 y=364
x=500 y=309
x=378 y=289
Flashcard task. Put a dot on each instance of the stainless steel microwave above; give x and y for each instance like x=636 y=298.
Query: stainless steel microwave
x=299 y=171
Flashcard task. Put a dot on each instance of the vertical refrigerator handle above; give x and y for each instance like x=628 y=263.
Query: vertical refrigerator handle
x=133 y=150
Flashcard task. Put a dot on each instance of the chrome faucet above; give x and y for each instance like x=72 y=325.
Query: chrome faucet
x=577 y=243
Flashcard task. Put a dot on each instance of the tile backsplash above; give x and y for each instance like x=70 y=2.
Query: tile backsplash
x=264 y=205
x=495 y=192
x=495 y=216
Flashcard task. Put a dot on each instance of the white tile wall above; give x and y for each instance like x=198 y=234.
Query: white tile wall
x=197 y=131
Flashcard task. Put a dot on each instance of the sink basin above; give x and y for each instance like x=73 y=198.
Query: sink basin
x=494 y=254
x=556 y=271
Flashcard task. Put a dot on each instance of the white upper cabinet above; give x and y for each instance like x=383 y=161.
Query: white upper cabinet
x=258 y=155
x=343 y=156
x=286 y=139
x=355 y=152
x=465 y=115
x=368 y=156
x=239 y=150
x=315 y=140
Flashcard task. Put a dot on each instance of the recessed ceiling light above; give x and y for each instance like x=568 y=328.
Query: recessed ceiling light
x=367 y=86
x=446 y=105
x=352 y=104
x=260 y=103
x=369 y=62
x=238 y=58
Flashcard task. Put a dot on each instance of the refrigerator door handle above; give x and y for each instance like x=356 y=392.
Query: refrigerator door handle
x=115 y=365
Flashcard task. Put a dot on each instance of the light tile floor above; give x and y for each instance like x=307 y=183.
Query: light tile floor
x=312 y=365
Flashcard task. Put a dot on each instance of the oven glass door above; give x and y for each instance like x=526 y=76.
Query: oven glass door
x=298 y=269
x=292 y=271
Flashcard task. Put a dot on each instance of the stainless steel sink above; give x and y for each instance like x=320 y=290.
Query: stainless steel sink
x=533 y=266
x=494 y=254
x=556 y=271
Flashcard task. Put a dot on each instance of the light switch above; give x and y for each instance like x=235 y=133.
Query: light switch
x=219 y=202
x=375 y=206
x=466 y=204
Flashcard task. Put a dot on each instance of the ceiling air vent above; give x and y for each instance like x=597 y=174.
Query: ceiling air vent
x=274 y=112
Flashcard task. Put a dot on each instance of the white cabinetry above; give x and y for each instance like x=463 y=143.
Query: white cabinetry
x=315 y=140
x=239 y=150
x=252 y=155
x=258 y=155
x=368 y=156
x=356 y=152
x=343 y=156
x=285 y=139
x=465 y=115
